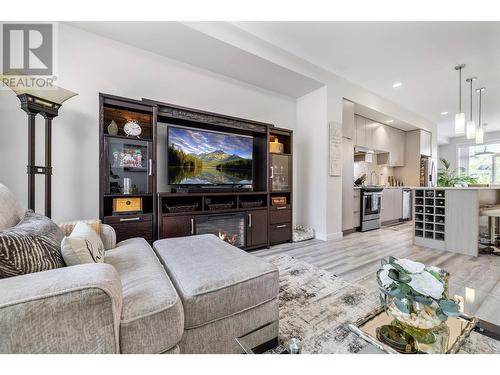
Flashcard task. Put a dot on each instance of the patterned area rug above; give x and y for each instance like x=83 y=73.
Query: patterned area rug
x=316 y=306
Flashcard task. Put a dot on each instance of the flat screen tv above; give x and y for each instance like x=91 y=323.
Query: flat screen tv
x=202 y=157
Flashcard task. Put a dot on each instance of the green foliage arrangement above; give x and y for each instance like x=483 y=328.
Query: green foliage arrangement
x=448 y=177
x=406 y=282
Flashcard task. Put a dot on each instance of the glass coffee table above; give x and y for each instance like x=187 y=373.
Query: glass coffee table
x=467 y=335
x=461 y=332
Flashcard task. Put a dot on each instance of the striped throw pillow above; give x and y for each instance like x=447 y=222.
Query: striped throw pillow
x=33 y=245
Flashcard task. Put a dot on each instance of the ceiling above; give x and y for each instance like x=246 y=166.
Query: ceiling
x=182 y=43
x=420 y=55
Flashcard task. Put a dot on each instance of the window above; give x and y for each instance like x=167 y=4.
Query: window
x=486 y=168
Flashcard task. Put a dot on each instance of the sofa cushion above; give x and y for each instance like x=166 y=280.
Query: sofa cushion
x=11 y=211
x=152 y=319
x=215 y=279
x=83 y=245
x=33 y=245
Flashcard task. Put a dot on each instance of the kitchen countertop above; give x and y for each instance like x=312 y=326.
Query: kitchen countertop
x=496 y=187
x=385 y=187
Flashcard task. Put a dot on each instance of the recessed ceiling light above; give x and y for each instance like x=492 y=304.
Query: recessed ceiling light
x=397 y=84
x=444 y=113
x=390 y=121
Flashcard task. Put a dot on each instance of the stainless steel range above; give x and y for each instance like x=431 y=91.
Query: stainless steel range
x=371 y=206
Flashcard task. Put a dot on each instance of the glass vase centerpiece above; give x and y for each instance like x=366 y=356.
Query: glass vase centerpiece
x=416 y=296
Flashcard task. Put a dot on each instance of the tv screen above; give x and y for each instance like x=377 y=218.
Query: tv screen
x=202 y=157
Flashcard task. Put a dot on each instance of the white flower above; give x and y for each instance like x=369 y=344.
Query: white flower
x=410 y=265
x=383 y=275
x=426 y=284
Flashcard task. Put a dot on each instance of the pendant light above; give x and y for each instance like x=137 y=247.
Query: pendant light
x=460 y=116
x=480 y=128
x=470 y=127
x=485 y=152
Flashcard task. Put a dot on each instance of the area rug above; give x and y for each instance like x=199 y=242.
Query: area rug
x=316 y=307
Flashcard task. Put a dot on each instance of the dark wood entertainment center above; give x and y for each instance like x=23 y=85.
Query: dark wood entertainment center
x=248 y=217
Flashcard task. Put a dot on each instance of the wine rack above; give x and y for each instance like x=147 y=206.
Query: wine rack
x=430 y=208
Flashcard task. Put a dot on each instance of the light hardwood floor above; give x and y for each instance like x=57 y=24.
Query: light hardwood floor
x=356 y=258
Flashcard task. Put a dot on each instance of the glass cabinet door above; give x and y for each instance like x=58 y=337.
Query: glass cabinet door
x=280 y=172
x=129 y=163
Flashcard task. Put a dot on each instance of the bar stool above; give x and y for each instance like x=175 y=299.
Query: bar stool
x=492 y=213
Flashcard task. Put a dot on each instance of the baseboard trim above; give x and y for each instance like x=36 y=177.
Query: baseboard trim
x=334 y=236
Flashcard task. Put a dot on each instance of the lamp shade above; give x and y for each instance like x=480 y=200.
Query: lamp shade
x=53 y=94
x=460 y=123
x=479 y=135
x=470 y=130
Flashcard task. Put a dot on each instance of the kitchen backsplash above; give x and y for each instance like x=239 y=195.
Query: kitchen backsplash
x=382 y=172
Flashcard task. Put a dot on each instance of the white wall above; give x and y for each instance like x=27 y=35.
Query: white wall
x=89 y=64
x=310 y=162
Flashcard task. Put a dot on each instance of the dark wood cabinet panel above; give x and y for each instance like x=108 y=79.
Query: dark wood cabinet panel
x=280 y=233
x=257 y=228
x=177 y=226
x=130 y=226
x=280 y=216
x=132 y=230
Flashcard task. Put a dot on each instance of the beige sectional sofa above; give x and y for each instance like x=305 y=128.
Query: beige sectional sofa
x=194 y=295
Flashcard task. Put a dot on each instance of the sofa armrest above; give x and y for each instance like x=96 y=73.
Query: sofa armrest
x=67 y=310
x=107 y=233
x=108 y=236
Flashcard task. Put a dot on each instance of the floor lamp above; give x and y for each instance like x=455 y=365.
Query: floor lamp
x=46 y=103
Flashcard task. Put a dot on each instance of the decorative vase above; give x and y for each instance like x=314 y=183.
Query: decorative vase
x=423 y=324
x=112 y=128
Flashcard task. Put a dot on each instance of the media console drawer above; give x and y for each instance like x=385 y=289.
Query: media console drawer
x=130 y=226
x=280 y=216
x=281 y=233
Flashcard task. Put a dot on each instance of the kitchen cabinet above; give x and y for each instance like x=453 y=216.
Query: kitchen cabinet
x=399 y=148
x=257 y=227
x=392 y=205
x=425 y=143
x=356 y=208
x=370 y=130
x=348 y=125
x=360 y=131
x=347 y=180
x=395 y=147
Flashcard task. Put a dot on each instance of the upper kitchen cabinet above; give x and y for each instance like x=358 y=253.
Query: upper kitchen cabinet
x=370 y=131
x=360 y=131
x=425 y=143
x=348 y=125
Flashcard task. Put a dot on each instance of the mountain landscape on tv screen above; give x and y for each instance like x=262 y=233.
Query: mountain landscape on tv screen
x=201 y=158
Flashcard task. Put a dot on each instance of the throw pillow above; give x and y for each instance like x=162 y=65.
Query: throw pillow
x=83 y=245
x=11 y=211
x=33 y=245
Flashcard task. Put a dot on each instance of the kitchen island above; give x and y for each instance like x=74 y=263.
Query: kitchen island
x=448 y=218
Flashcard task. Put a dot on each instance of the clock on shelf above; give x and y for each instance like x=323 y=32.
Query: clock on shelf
x=132 y=128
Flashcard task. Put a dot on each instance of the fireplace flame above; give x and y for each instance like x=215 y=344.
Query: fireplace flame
x=224 y=236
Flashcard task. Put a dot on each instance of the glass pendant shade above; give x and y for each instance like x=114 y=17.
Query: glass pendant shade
x=470 y=130
x=460 y=123
x=479 y=135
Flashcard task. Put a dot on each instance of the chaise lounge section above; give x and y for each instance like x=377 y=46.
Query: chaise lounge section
x=226 y=293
